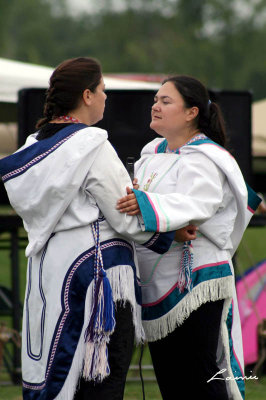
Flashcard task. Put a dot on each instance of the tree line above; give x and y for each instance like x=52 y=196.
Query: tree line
x=220 y=42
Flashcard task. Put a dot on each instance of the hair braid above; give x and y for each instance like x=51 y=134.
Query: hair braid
x=67 y=84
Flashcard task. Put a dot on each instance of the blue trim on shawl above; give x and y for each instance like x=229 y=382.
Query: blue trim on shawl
x=69 y=325
x=29 y=351
x=23 y=157
x=160 y=242
x=205 y=274
x=147 y=211
x=234 y=364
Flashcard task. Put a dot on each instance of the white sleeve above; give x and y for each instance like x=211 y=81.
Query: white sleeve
x=106 y=181
x=200 y=181
x=199 y=193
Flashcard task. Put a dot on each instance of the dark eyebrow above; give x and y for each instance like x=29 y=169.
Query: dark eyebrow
x=162 y=97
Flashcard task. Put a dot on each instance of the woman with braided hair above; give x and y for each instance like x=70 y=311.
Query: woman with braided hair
x=82 y=303
x=190 y=313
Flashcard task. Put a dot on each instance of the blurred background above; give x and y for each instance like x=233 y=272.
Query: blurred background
x=220 y=42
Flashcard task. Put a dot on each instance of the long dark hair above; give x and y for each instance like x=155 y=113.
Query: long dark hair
x=67 y=83
x=210 y=119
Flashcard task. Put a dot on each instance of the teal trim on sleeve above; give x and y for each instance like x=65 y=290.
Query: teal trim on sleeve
x=253 y=199
x=147 y=211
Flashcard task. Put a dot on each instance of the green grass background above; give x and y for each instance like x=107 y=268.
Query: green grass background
x=251 y=250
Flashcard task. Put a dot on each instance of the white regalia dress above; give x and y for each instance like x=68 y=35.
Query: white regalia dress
x=200 y=184
x=60 y=186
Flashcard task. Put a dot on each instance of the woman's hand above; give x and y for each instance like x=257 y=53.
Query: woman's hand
x=262 y=208
x=128 y=204
x=187 y=233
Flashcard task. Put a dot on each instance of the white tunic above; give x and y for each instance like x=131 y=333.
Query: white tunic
x=202 y=185
x=59 y=186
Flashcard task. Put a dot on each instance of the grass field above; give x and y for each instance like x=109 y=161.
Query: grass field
x=133 y=391
x=251 y=250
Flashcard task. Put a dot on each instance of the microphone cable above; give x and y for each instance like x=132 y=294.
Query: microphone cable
x=140 y=371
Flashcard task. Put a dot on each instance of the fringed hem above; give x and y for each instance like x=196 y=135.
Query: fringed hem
x=231 y=383
x=122 y=282
x=212 y=290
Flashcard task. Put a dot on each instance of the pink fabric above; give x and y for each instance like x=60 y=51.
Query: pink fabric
x=251 y=210
x=251 y=294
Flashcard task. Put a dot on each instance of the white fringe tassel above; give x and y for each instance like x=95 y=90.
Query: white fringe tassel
x=95 y=360
x=121 y=279
x=212 y=290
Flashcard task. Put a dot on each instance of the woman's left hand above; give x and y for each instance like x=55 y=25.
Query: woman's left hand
x=128 y=204
x=189 y=232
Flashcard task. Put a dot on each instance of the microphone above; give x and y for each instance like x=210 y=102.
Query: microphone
x=130 y=167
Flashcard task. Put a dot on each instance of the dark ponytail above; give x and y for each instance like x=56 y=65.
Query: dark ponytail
x=209 y=120
x=67 y=83
x=216 y=128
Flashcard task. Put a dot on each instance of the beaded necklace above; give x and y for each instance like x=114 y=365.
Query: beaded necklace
x=197 y=137
x=67 y=118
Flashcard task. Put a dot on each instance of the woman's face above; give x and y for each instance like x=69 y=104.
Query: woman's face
x=98 y=103
x=168 y=113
